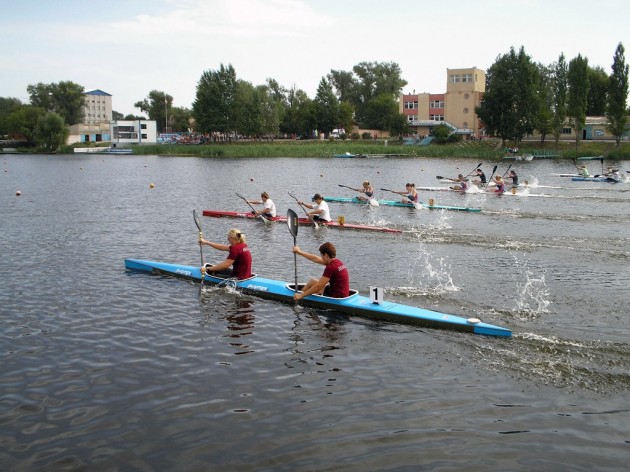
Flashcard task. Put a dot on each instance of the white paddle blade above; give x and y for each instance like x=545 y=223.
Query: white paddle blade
x=374 y=202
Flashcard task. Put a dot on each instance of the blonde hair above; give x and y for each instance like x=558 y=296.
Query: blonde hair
x=236 y=234
x=264 y=195
x=366 y=183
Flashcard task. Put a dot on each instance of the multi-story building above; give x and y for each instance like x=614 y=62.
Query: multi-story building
x=455 y=108
x=97 y=114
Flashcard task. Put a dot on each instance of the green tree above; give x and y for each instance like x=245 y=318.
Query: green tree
x=617 y=107
x=22 y=122
x=7 y=106
x=544 y=114
x=326 y=106
x=344 y=84
x=597 y=92
x=577 y=80
x=214 y=101
x=300 y=117
x=248 y=109
x=509 y=105
x=50 y=132
x=157 y=106
x=559 y=99
x=375 y=80
x=66 y=98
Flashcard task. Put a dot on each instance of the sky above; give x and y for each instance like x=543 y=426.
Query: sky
x=128 y=48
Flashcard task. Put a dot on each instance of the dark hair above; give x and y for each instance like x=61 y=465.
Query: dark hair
x=328 y=249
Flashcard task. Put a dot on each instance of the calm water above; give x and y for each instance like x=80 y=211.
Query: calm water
x=104 y=369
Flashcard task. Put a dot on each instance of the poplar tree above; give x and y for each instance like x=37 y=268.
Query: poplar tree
x=560 y=72
x=577 y=79
x=618 y=96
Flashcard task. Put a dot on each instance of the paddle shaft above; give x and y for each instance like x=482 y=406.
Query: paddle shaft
x=265 y=220
x=198 y=223
x=494 y=169
x=304 y=209
x=292 y=222
x=439 y=177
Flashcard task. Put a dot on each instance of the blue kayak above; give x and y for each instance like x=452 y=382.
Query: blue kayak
x=595 y=179
x=400 y=204
x=355 y=304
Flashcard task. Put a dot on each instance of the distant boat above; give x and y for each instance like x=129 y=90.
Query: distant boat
x=104 y=150
x=521 y=157
x=348 y=155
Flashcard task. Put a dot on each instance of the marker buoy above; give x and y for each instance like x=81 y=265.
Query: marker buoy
x=18 y=193
x=151 y=185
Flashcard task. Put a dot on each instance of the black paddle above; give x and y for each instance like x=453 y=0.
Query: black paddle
x=494 y=169
x=351 y=188
x=265 y=220
x=302 y=207
x=439 y=177
x=198 y=223
x=507 y=170
x=292 y=222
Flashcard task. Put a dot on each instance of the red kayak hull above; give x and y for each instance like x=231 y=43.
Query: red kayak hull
x=302 y=221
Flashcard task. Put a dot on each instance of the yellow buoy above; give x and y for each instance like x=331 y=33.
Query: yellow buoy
x=151 y=185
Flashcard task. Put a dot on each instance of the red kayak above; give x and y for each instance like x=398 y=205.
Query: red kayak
x=302 y=221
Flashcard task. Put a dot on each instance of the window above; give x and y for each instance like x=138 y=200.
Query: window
x=411 y=118
x=465 y=110
x=466 y=96
x=436 y=104
x=143 y=126
x=567 y=131
x=410 y=105
x=144 y=136
x=436 y=117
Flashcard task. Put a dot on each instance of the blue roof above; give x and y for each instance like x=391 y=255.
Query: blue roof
x=97 y=92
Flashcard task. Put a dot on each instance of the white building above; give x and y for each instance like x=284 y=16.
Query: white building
x=97 y=114
x=133 y=132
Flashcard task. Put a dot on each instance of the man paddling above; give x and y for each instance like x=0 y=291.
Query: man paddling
x=334 y=282
x=319 y=209
x=269 y=207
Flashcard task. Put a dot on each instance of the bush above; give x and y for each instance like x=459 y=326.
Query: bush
x=354 y=136
x=366 y=135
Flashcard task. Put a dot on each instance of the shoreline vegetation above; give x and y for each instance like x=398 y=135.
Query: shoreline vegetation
x=486 y=149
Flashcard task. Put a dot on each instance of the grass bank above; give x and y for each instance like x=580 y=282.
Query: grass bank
x=487 y=149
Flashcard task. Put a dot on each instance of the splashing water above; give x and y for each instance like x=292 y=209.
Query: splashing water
x=532 y=294
x=430 y=276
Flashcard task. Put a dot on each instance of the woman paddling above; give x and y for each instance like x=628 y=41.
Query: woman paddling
x=239 y=257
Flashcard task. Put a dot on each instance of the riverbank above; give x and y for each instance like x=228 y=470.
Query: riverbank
x=486 y=149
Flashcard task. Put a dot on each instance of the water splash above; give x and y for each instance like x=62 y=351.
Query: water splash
x=532 y=295
x=431 y=276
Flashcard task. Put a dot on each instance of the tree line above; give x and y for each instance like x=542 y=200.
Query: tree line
x=521 y=97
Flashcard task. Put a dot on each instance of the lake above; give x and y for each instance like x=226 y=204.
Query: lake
x=107 y=369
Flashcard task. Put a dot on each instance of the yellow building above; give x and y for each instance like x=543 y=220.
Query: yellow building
x=455 y=108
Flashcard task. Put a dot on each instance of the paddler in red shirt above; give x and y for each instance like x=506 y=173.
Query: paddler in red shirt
x=334 y=282
x=239 y=257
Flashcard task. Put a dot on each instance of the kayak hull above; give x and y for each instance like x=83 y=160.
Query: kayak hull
x=400 y=204
x=594 y=179
x=355 y=304
x=302 y=221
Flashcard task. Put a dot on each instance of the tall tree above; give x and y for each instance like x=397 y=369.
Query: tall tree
x=327 y=107
x=214 y=101
x=509 y=105
x=597 y=92
x=66 y=98
x=544 y=114
x=7 y=106
x=577 y=79
x=299 y=119
x=248 y=109
x=344 y=83
x=157 y=106
x=375 y=79
x=617 y=108
x=50 y=132
x=23 y=121
x=559 y=87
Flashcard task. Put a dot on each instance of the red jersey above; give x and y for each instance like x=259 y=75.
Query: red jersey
x=337 y=272
x=242 y=267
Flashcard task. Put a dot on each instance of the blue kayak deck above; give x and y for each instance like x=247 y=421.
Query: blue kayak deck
x=401 y=204
x=355 y=304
